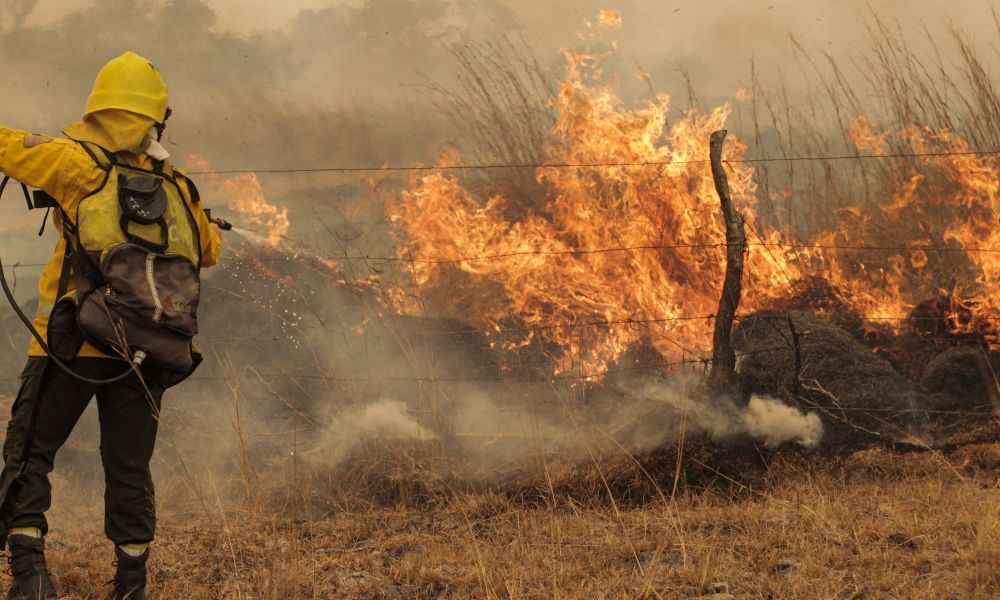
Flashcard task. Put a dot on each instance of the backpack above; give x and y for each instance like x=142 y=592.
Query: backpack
x=134 y=251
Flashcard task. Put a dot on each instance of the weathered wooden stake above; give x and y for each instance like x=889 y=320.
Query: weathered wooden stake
x=796 y=347
x=723 y=373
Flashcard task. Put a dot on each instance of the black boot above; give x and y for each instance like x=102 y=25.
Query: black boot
x=130 y=577
x=27 y=564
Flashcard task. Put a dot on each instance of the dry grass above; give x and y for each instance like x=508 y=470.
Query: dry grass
x=871 y=525
x=900 y=78
x=499 y=106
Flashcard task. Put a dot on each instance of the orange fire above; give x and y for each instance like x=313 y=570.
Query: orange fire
x=939 y=230
x=630 y=255
x=244 y=194
x=624 y=256
x=537 y=274
x=609 y=19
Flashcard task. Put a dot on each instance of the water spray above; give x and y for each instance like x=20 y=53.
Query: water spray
x=225 y=225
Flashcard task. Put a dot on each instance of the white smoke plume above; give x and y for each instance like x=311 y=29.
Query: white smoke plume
x=484 y=431
x=776 y=423
x=661 y=410
x=382 y=421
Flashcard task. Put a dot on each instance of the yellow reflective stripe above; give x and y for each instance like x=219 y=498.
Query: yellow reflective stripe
x=34 y=532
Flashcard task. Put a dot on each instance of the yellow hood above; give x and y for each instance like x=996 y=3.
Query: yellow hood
x=114 y=130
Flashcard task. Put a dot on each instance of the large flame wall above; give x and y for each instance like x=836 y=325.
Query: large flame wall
x=661 y=232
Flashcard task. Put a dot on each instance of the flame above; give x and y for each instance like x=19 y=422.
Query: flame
x=865 y=139
x=244 y=194
x=535 y=271
x=623 y=257
x=610 y=260
x=936 y=230
x=609 y=19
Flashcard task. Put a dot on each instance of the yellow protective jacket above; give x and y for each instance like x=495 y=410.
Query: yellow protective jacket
x=64 y=170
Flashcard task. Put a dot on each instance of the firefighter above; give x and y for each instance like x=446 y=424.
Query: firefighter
x=115 y=143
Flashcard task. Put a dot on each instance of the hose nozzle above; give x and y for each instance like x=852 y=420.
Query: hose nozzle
x=218 y=222
x=222 y=224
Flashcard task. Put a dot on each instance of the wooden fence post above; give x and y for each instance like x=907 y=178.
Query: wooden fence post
x=723 y=373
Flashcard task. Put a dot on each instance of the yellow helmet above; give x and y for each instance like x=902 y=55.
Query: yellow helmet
x=132 y=83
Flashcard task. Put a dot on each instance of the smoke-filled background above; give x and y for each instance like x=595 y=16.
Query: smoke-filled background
x=287 y=85
x=302 y=364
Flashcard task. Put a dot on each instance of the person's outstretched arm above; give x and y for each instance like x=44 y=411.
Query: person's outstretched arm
x=54 y=165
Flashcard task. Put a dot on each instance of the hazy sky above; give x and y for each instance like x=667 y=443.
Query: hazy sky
x=715 y=39
x=246 y=73
x=657 y=26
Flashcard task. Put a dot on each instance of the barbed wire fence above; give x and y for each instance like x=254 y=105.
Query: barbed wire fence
x=596 y=165
x=695 y=360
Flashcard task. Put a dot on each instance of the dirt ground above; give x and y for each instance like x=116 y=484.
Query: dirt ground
x=872 y=524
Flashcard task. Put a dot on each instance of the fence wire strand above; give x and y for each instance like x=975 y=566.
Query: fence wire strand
x=623 y=249
x=596 y=165
x=583 y=251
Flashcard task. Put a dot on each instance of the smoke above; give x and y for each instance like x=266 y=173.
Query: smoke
x=337 y=84
x=511 y=430
x=341 y=84
x=344 y=84
x=349 y=430
x=776 y=423
x=493 y=432
x=658 y=411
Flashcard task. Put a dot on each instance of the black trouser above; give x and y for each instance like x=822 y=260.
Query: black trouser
x=129 y=417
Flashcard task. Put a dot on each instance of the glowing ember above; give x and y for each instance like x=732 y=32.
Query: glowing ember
x=244 y=194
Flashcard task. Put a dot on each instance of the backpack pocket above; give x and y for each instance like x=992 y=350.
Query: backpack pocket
x=112 y=329
x=143 y=202
x=147 y=301
x=162 y=289
x=64 y=336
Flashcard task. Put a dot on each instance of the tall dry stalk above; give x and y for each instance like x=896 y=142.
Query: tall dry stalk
x=896 y=81
x=499 y=105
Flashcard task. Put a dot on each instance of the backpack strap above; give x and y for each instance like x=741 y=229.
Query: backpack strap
x=102 y=158
x=192 y=188
x=69 y=256
x=138 y=241
x=24 y=189
x=42 y=199
x=76 y=263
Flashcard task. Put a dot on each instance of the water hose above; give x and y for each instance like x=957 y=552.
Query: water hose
x=137 y=358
